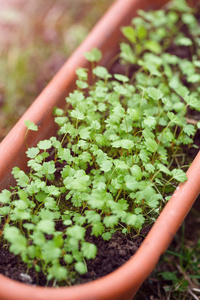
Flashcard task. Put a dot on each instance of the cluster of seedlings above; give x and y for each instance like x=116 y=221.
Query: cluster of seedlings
x=119 y=152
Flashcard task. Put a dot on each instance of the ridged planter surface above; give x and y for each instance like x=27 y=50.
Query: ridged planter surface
x=123 y=283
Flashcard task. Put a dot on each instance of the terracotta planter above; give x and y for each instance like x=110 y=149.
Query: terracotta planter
x=125 y=281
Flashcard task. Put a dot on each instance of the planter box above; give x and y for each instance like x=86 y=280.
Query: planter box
x=125 y=281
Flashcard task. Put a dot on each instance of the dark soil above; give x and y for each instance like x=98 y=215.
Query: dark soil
x=12 y=267
x=111 y=255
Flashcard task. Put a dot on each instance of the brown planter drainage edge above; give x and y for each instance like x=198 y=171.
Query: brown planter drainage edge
x=123 y=283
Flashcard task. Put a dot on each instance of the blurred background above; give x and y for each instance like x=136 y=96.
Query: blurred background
x=36 y=38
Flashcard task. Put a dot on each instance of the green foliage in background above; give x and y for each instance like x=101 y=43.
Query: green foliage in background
x=36 y=38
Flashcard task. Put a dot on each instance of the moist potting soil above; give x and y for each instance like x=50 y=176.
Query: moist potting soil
x=111 y=255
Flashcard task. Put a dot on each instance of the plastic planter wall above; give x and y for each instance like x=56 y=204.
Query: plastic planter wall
x=123 y=283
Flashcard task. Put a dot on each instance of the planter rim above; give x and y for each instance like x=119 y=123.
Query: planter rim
x=125 y=281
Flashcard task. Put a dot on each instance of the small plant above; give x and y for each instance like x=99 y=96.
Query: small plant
x=116 y=160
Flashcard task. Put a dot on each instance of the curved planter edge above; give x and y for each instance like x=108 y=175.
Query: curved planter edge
x=124 y=282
